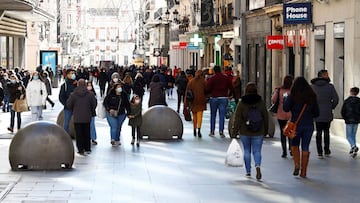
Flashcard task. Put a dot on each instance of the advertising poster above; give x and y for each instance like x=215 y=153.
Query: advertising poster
x=49 y=58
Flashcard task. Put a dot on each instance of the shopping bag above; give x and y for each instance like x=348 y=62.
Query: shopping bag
x=187 y=114
x=230 y=108
x=234 y=154
x=101 y=111
x=20 y=105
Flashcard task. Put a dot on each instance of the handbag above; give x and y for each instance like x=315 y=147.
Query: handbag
x=187 y=114
x=20 y=105
x=274 y=107
x=115 y=113
x=234 y=154
x=190 y=95
x=290 y=127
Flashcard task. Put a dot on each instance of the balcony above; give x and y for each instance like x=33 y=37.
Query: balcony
x=27 y=10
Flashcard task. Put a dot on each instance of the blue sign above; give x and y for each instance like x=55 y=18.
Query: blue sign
x=192 y=47
x=297 y=13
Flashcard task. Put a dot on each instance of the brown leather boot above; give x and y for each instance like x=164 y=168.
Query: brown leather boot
x=304 y=163
x=296 y=157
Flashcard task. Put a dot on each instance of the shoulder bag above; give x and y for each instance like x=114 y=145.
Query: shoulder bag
x=290 y=127
x=274 y=107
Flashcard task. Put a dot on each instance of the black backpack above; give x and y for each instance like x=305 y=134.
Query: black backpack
x=254 y=119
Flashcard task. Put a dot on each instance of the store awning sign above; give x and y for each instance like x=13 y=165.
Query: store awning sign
x=275 y=42
x=297 y=13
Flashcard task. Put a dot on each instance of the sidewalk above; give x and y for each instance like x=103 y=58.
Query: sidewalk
x=188 y=170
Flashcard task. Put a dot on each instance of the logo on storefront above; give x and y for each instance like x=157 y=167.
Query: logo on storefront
x=275 y=42
x=297 y=13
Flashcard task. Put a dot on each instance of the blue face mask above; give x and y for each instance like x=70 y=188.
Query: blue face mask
x=73 y=76
x=119 y=89
x=35 y=77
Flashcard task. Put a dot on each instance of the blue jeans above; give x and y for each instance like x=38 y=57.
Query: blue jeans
x=6 y=106
x=304 y=135
x=215 y=104
x=12 y=118
x=67 y=117
x=92 y=129
x=252 y=144
x=351 y=133
x=115 y=125
x=36 y=113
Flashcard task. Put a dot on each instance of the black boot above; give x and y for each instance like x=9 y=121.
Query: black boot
x=194 y=132
x=199 y=133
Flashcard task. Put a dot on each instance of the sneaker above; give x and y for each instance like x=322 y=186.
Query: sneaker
x=258 y=173
x=327 y=154
x=222 y=135
x=283 y=155
x=132 y=141
x=10 y=129
x=94 y=142
x=354 y=155
x=248 y=175
x=211 y=134
x=356 y=149
x=88 y=152
x=112 y=142
x=320 y=156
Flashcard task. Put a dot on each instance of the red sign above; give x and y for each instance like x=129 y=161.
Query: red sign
x=182 y=45
x=275 y=42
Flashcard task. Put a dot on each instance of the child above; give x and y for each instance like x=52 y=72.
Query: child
x=135 y=118
x=93 y=136
x=350 y=111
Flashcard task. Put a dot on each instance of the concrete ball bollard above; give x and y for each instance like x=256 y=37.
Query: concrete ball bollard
x=41 y=145
x=162 y=123
x=60 y=122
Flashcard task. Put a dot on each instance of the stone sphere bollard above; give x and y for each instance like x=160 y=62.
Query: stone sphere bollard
x=41 y=145
x=161 y=122
x=60 y=122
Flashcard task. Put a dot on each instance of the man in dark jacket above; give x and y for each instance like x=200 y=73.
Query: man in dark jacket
x=328 y=100
x=82 y=103
x=66 y=89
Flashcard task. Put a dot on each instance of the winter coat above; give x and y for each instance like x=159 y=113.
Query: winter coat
x=138 y=86
x=241 y=115
x=350 y=111
x=281 y=114
x=65 y=90
x=136 y=111
x=236 y=82
x=83 y=104
x=327 y=98
x=170 y=80
x=307 y=119
x=36 y=93
x=112 y=100
x=219 y=85
x=197 y=85
x=48 y=85
x=14 y=91
x=157 y=95
x=181 y=83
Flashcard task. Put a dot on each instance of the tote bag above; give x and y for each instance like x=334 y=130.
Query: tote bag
x=234 y=154
x=20 y=105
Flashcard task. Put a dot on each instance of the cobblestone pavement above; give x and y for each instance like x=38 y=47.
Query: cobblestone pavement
x=188 y=170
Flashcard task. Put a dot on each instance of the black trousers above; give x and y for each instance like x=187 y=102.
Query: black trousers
x=282 y=124
x=320 y=128
x=137 y=129
x=83 y=136
x=181 y=98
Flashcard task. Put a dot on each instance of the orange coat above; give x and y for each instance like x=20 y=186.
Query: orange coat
x=197 y=85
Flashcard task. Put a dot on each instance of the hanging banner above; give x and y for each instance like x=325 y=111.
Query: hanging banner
x=275 y=42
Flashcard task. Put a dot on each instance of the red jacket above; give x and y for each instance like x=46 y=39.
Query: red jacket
x=219 y=85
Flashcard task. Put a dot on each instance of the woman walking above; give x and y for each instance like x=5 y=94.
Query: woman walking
x=283 y=117
x=301 y=96
x=157 y=94
x=36 y=95
x=117 y=108
x=251 y=118
x=197 y=86
x=16 y=91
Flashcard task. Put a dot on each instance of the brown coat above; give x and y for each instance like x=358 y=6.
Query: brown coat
x=197 y=85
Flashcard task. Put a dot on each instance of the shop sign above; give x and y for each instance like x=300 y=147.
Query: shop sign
x=339 y=30
x=275 y=42
x=297 y=13
x=319 y=32
x=255 y=4
x=192 y=47
x=181 y=45
x=228 y=35
x=290 y=38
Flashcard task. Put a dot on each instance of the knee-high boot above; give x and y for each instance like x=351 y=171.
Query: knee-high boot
x=304 y=163
x=296 y=157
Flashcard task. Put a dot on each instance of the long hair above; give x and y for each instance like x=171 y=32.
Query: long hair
x=302 y=92
x=288 y=80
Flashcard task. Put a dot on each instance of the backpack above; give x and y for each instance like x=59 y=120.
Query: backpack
x=254 y=119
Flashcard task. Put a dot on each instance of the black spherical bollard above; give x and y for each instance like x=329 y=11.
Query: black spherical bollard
x=161 y=122
x=41 y=145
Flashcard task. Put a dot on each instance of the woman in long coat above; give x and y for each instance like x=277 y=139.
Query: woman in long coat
x=157 y=94
x=197 y=85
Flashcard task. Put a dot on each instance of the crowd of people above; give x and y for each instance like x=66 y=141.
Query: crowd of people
x=122 y=92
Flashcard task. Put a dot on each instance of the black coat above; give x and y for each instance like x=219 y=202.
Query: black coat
x=112 y=100
x=83 y=104
x=350 y=110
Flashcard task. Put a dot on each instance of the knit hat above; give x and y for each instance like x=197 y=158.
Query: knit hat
x=115 y=75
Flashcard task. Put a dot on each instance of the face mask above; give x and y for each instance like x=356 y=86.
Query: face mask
x=13 y=81
x=119 y=89
x=89 y=88
x=35 y=77
x=73 y=76
x=115 y=79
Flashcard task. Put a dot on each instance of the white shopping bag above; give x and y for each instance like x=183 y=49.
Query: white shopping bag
x=234 y=154
x=101 y=111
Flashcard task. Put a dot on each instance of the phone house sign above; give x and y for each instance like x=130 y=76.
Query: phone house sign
x=297 y=13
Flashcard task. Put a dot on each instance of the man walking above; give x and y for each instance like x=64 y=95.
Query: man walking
x=66 y=89
x=328 y=100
